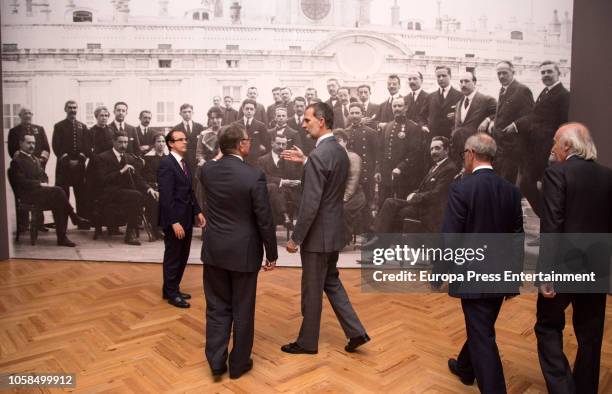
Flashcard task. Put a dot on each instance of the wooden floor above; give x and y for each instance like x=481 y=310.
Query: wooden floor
x=107 y=323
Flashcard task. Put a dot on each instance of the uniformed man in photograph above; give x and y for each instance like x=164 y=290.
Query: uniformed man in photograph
x=41 y=149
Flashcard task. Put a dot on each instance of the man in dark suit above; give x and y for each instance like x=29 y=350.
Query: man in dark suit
x=257 y=132
x=120 y=111
x=550 y=111
x=310 y=96
x=178 y=213
x=438 y=114
x=146 y=136
x=385 y=110
x=122 y=185
x=31 y=185
x=283 y=181
x=41 y=149
x=282 y=129
x=364 y=142
x=319 y=232
x=230 y=115
x=369 y=109
x=192 y=130
x=271 y=110
x=295 y=122
x=287 y=103
x=341 y=112
x=483 y=202
x=332 y=88
x=576 y=199
x=471 y=113
x=417 y=98
x=239 y=228
x=260 y=110
x=71 y=144
x=515 y=101
x=427 y=202
x=152 y=162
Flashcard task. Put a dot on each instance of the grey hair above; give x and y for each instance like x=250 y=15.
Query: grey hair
x=100 y=109
x=483 y=146
x=579 y=138
x=23 y=110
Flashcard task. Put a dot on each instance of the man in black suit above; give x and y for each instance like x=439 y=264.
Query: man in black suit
x=364 y=142
x=41 y=149
x=283 y=179
x=257 y=132
x=31 y=185
x=271 y=110
x=146 y=136
x=178 y=213
x=369 y=108
x=192 y=130
x=319 y=232
x=286 y=102
x=310 y=96
x=427 y=202
x=470 y=115
x=550 y=111
x=385 y=110
x=230 y=115
x=515 y=101
x=417 y=98
x=576 y=199
x=295 y=122
x=282 y=129
x=341 y=112
x=483 y=202
x=71 y=144
x=438 y=114
x=120 y=111
x=239 y=228
x=152 y=161
x=260 y=110
x=332 y=88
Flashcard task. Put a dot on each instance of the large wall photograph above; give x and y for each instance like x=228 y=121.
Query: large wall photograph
x=408 y=81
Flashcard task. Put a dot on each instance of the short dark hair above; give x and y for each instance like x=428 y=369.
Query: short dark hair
x=344 y=88
x=120 y=103
x=275 y=89
x=447 y=68
x=22 y=136
x=323 y=111
x=229 y=138
x=364 y=86
x=420 y=75
x=473 y=75
x=299 y=98
x=157 y=135
x=249 y=101
x=333 y=79
x=69 y=102
x=445 y=141
x=119 y=133
x=395 y=76
x=357 y=104
x=144 y=111
x=340 y=135
x=229 y=97
x=185 y=106
x=548 y=62
x=170 y=138
x=214 y=110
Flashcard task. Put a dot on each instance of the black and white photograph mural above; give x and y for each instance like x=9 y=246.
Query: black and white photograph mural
x=409 y=81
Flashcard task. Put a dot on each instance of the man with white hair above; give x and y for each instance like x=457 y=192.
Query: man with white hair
x=576 y=199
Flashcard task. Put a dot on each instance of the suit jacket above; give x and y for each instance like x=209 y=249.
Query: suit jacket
x=71 y=141
x=102 y=138
x=177 y=200
x=414 y=108
x=435 y=112
x=284 y=170
x=480 y=108
x=260 y=139
x=515 y=103
x=42 y=143
x=385 y=112
x=192 y=143
x=305 y=143
x=333 y=107
x=432 y=194
x=482 y=203
x=319 y=226
x=230 y=115
x=550 y=111
x=110 y=177
x=576 y=200
x=152 y=162
x=340 y=121
x=260 y=114
x=271 y=114
x=133 y=140
x=26 y=175
x=401 y=146
x=239 y=217
x=291 y=134
x=146 y=138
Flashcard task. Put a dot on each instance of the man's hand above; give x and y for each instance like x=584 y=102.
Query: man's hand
x=201 y=162
x=200 y=221
x=511 y=128
x=262 y=148
x=365 y=120
x=396 y=171
x=269 y=265
x=482 y=128
x=377 y=177
x=450 y=116
x=382 y=125
x=291 y=246
x=410 y=196
x=294 y=154
x=127 y=167
x=178 y=231
x=547 y=290
x=425 y=129
x=153 y=193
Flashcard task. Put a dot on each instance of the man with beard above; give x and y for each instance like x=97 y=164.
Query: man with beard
x=363 y=141
x=281 y=129
x=260 y=110
x=417 y=98
x=192 y=130
x=341 y=112
x=332 y=89
x=295 y=123
x=385 y=110
x=438 y=114
x=146 y=135
x=120 y=111
x=286 y=96
x=41 y=149
x=71 y=144
x=31 y=185
x=271 y=110
x=470 y=114
x=230 y=115
x=399 y=164
x=260 y=138
x=101 y=132
x=369 y=109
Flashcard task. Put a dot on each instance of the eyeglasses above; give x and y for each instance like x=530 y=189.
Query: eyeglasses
x=179 y=140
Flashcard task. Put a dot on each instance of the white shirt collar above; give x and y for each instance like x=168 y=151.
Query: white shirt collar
x=119 y=124
x=246 y=120
x=176 y=156
x=238 y=156
x=25 y=153
x=117 y=154
x=441 y=161
x=190 y=123
x=482 y=167
x=471 y=96
x=323 y=137
x=552 y=86
x=275 y=157
x=416 y=93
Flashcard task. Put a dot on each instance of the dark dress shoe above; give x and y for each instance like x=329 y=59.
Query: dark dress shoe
x=294 y=348
x=179 y=302
x=65 y=242
x=131 y=238
x=354 y=343
x=219 y=371
x=234 y=375
x=466 y=378
x=185 y=296
x=43 y=229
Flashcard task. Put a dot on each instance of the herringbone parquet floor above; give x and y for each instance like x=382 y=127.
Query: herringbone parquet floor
x=107 y=323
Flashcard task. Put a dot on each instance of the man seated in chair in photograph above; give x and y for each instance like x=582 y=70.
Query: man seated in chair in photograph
x=32 y=186
x=427 y=202
x=123 y=188
x=152 y=160
x=284 y=183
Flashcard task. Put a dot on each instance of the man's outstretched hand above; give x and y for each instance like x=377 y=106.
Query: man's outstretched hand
x=291 y=246
x=294 y=154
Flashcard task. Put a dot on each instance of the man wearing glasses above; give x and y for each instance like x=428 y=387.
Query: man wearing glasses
x=179 y=212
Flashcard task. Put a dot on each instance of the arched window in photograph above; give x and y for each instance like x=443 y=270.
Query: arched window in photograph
x=82 y=16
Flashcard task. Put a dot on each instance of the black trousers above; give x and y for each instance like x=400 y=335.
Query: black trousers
x=176 y=253
x=230 y=306
x=282 y=201
x=130 y=203
x=54 y=198
x=479 y=355
x=391 y=213
x=79 y=196
x=588 y=319
x=507 y=163
x=532 y=170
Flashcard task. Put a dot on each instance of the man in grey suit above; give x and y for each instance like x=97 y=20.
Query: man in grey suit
x=320 y=233
x=239 y=227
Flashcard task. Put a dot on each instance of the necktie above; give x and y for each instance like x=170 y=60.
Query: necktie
x=412 y=96
x=184 y=167
x=121 y=127
x=122 y=160
x=502 y=91
x=345 y=111
x=188 y=129
x=441 y=94
x=466 y=102
x=543 y=94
